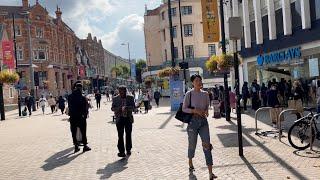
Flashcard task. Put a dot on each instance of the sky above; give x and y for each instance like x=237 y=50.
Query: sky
x=113 y=21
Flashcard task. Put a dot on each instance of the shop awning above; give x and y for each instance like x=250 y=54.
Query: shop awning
x=280 y=71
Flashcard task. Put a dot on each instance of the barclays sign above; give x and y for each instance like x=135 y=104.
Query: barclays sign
x=279 y=57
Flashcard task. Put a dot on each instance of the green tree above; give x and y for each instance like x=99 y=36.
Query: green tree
x=125 y=71
x=140 y=65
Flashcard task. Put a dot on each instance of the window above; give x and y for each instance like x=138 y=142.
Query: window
x=315 y=10
x=175 y=53
x=173 y=12
x=19 y=53
x=40 y=54
x=186 y=10
x=174 y=31
x=11 y=92
x=212 y=49
x=163 y=16
x=17 y=30
x=166 y=55
x=187 y=30
x=39 y=32
x=42 y=78
x=189 y=52
x=164 y=35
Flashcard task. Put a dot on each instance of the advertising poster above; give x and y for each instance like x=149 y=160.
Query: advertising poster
x=133 y=70
x=314 y=67
x=176 y=93
x=8 y=55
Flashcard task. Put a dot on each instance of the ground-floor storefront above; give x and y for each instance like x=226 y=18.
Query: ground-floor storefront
x=293 y=63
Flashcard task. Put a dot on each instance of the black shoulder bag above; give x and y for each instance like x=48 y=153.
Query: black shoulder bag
x=182 y=116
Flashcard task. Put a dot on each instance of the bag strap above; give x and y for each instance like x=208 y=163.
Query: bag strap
x=190 y=100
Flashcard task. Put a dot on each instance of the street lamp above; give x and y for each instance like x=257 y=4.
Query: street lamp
x=128 y=44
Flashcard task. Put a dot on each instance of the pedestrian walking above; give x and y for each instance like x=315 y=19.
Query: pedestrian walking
x=221 y=100
x=29 y=101
x=210 y=97
x=78 y=112
x=245 y=95
x=123 y=106
x=146 y=99
x=52 y=103
x=156 y=97
x=255 y=95
x=61 y=104
x=198 y=125
x=108 y=95
x=98 y=99
x=232 y=99
x=43 y=103
x=264 y=94
x=273 y=101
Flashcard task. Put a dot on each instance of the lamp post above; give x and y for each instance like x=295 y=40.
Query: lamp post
x=184 y=64
x=173 y=64
x=225 y=74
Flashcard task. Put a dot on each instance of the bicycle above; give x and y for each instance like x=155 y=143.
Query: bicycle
x=301 y=130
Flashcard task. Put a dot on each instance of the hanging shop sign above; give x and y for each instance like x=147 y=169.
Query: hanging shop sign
x=8 y=55
x=279 y=57
x=210 y=21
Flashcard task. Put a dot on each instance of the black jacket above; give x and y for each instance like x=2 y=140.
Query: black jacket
x=78 y=106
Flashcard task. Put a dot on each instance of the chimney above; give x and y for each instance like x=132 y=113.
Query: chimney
x=100 y=41
x=58 y=13
x=37 y=1
x=89 y=36
x=95 y=39
x=25 y=4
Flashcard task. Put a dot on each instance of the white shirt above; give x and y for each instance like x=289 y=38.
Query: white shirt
x=42 y=101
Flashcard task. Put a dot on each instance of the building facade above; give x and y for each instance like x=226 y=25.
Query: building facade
x=281 y=40
x=49 y=44
x=95 y=52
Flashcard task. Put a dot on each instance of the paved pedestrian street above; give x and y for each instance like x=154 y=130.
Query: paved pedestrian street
x=41 y=147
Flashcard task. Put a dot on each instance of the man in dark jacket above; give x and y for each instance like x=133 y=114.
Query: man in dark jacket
x=29 y=100
x=156 y=97
x=245 y=95
x=123 y=105
x=78 y=112
x=98 y=99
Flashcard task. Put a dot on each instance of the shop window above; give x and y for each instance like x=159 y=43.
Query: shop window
x=17 y=30
x=187 y=30
x=315 y=9
x=189 y=52
x=174 y=32
x=212 y=49
x=296 y=15
x=39 y=32
x=265 y=27
x=20 y=53
x=186 y=10
x=253 y=31
x=175 y=53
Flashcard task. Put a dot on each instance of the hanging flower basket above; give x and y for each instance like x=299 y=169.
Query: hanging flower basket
x=86 y=83
x=219 y=63
x=169 y=71
x=9 y=77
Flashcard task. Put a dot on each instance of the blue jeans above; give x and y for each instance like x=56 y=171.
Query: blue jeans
x=199 y=126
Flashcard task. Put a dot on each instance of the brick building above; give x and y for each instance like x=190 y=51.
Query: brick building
x=52 y=48
x=95 y=52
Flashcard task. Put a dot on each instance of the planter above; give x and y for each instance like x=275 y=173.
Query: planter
x=169 y=71
x=221 y=63
x=9 y=77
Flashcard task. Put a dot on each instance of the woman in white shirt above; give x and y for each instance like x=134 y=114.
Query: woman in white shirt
x=42 y=102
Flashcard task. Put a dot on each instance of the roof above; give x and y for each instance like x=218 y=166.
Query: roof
x=153 y=12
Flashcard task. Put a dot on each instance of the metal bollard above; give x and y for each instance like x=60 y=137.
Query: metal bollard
x=279 y=122
x=256 y=116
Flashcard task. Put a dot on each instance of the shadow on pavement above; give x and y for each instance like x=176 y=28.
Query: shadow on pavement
x=112 y=168
x=59 y=159
x=192 y=176
x=167 y=121
x=254 y=172
x=307 y=153
x=271 y=154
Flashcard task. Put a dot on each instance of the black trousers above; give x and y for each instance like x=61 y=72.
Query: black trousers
x=98 y=104
x=157 y=101
x=53 y=108
x=30 y=110
x=124 y=124
x=146 y=105
x=82 y=124
x=245 y=100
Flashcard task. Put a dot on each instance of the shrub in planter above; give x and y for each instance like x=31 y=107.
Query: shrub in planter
x=225 y=61
x=212 y=64
x=9 y=77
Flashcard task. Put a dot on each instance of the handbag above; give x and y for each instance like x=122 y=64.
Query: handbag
x=182 y=116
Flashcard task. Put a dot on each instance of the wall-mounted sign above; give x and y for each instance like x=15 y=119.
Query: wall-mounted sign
x=314 y=67
x=210 y=21
x=279 y=57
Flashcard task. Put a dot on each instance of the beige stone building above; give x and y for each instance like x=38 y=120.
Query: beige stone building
x=157 y=34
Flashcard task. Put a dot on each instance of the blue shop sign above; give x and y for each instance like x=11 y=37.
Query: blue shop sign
x=279 y=57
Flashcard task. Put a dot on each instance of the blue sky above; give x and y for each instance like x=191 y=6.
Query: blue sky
x=112 y=21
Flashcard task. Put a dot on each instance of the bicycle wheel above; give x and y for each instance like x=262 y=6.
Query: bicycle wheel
x=299 y=135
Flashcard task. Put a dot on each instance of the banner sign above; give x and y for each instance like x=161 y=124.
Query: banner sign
x=8 y=55
x=279 y=57
x=176 y=95
x=210 y=19
x=133 y=70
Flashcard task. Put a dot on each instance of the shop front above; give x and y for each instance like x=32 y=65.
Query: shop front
x=294 y=63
